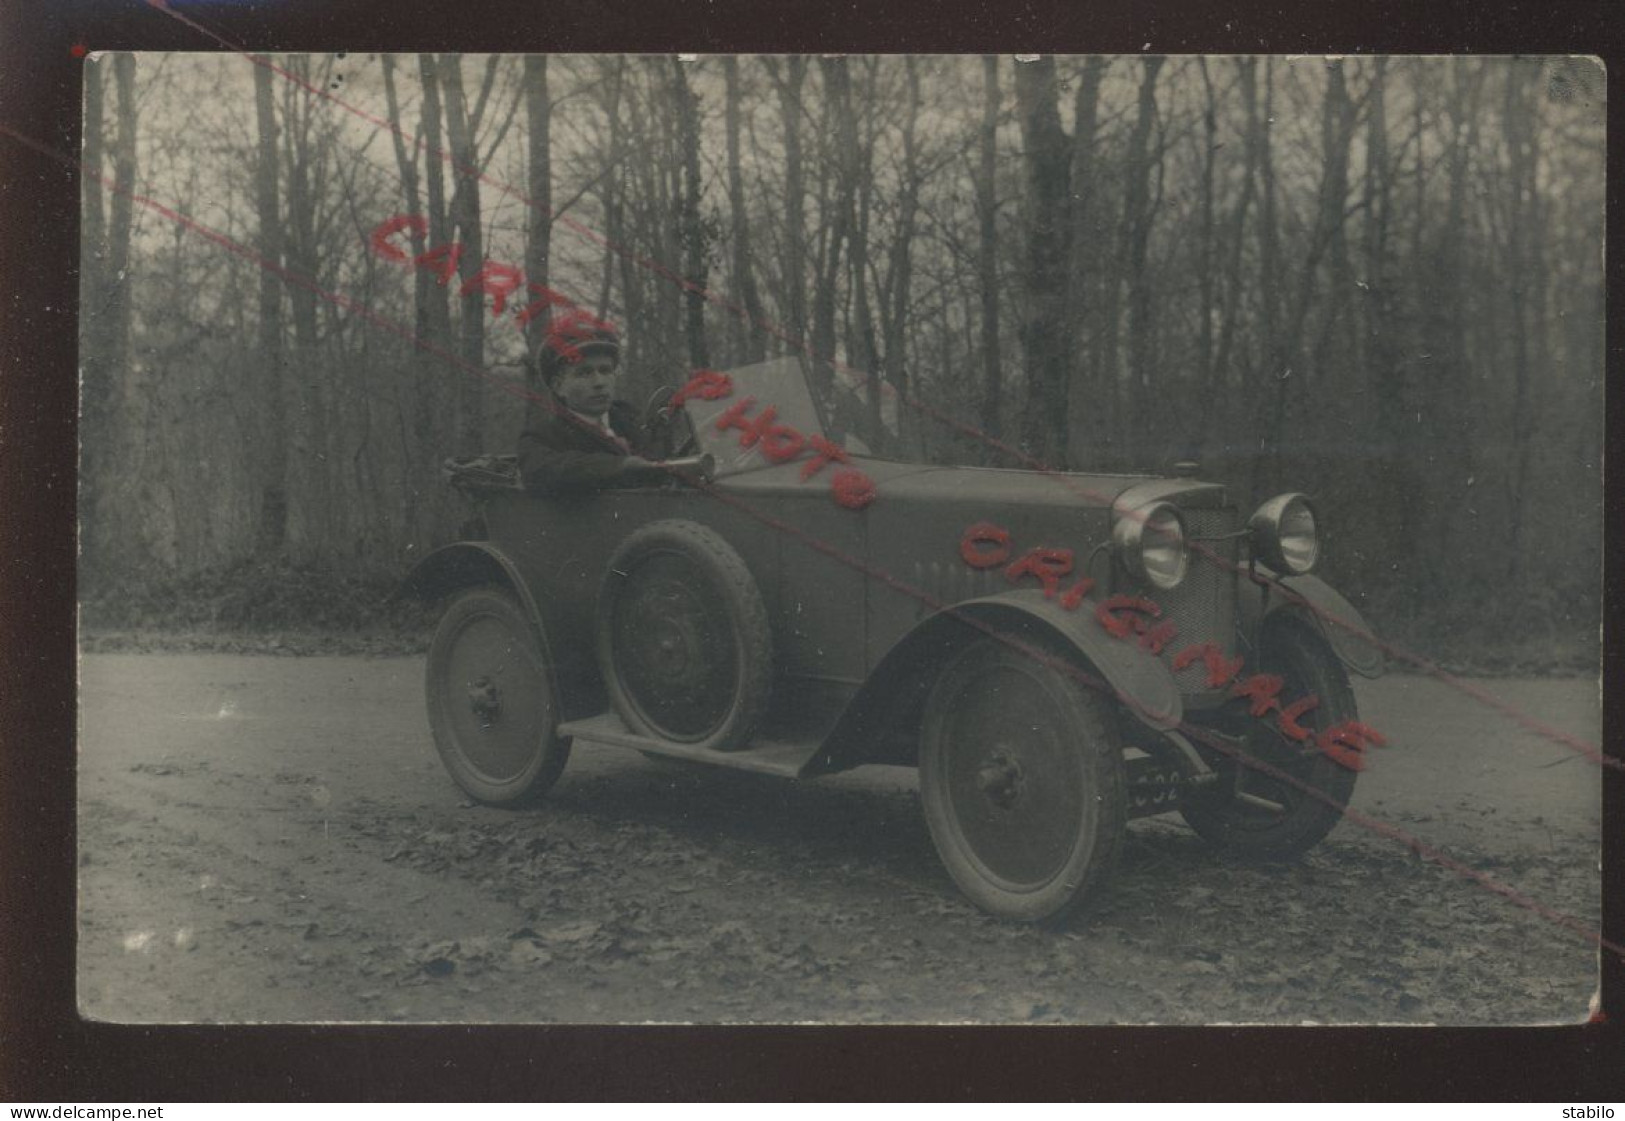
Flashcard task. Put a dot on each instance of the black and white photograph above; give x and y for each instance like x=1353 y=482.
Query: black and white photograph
x=840 y=539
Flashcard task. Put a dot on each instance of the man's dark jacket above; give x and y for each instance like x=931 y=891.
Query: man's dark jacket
x=561 y=452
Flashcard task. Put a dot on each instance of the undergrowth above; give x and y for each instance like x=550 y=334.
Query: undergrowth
x=280 y=606
x=264 y=605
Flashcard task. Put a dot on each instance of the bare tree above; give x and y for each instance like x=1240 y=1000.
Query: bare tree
x=837 y=220
x=607 y=185
x=1093 y=391
x=270 y=426
x=746 y=332
x=1272 y=367
x=897 y=285
x=1235 y=287
x=539 y=186
x=305 y=169
x=1208 y=160
x=1045 y=331
x=1397 y=470
x=462 y=125
x=863 y=346
x=789 y=85
x=694 y=236
x=95 y=384
x=1139 y=211
x=987 y=251
x=1449 y=429
x=1525 y=268
x=106 y=302
x=612 y=197
x=1339 y=120
x=418 y=165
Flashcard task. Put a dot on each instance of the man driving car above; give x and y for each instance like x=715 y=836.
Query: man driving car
x=581 y=438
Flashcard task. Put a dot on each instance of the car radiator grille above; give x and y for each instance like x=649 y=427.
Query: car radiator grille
x=950 y=582
x=1203 y=607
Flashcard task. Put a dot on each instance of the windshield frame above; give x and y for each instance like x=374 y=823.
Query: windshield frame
x=780 y=384
x=786 y=385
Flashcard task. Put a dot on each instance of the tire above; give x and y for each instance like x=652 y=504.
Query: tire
x=1022 y=779
x=684 y=644
x=492 y=707
x=1303 y=821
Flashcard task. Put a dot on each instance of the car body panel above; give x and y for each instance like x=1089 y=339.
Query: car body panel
x=786 y=758
x=1189 y=494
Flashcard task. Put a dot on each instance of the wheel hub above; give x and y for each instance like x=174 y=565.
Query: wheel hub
x=484 y=700
x=670 y=655
x=673 y=649
x=1000 y=778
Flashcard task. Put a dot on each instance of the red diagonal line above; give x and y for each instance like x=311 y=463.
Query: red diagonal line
x=1061 y=664
x=1426 y=665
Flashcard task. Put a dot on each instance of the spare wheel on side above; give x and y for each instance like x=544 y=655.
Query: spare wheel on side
x=683 y=638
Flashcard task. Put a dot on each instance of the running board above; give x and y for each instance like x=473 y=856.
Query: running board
x=765 y=756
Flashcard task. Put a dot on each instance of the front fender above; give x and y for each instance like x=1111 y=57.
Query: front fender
x=1266 y=595
x=893 y=697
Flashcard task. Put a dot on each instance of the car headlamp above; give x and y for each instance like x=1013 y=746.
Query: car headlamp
x=1285 y=534
x=1151 y=541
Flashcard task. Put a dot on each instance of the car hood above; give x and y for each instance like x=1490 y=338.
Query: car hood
x=994 y=489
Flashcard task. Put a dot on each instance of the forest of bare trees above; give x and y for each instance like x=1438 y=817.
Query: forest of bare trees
x=1375 y=280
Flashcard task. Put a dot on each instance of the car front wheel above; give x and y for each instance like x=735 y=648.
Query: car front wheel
x=1291 y=796
x=1022 y=781
x=491 y=702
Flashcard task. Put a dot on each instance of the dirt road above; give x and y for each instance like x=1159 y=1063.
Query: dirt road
x=273 y=839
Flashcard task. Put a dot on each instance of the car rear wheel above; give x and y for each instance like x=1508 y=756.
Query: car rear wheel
x=684 y=644
x=1287 y=806
x=491 y=704
x=1022 y=781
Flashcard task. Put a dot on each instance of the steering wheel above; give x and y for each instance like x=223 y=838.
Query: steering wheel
x=668 y=429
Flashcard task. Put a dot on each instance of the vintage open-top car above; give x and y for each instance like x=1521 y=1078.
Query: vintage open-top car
x=1056 y=653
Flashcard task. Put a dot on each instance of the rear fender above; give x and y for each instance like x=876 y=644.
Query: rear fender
x=470 y=564
x=879 y=723
x=1266 y=597
x=465 y=564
